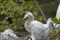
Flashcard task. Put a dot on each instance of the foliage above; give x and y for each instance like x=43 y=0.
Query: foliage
x=56 y=20
x=11 y=12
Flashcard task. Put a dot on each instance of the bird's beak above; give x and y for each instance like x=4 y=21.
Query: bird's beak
x=25 y=17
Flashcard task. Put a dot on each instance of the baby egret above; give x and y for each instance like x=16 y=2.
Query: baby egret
x=38 y=30
x=8 y=33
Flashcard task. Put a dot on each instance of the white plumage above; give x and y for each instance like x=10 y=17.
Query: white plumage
x=58 y=15
x=58 y=12
x=8 y=33
x=38 y=30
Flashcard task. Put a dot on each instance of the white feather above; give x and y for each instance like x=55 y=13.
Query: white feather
x=37 y=29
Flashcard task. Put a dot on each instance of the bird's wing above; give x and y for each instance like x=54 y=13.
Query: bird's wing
x=37 y=29
x=36 y=24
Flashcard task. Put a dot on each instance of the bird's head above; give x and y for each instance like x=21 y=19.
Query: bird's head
x=28 y=16
x=50 y=22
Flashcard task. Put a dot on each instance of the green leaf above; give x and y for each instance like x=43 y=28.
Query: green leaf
x=55 y=20
x=59 y=22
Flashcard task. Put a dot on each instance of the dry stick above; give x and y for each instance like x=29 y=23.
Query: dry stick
x=40 y=10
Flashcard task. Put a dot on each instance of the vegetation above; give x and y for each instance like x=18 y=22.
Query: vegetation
x=11 y=12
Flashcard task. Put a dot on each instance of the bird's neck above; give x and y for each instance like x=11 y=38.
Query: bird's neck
x=28 y=26
x=50 y=26
x=28 y=23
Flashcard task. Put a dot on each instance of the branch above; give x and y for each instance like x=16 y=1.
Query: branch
x=40 y=10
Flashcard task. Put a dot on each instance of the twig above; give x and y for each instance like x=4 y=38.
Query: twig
x=40 y=10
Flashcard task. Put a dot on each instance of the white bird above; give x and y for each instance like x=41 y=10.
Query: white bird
x=8 y=33
x=58 y=15
x=38 y=30
x=58 y=12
